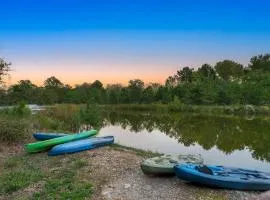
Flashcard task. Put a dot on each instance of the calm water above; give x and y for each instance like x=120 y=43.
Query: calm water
x=231 y=141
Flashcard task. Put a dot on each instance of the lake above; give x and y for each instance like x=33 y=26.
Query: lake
x=221 y=140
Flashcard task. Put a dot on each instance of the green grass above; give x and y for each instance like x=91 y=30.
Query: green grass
x=15 y=180
x=12 y=162
x=18 y=173
x=60 y=176
x=64 y=186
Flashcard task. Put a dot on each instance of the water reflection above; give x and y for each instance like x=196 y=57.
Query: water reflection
x=227 y=134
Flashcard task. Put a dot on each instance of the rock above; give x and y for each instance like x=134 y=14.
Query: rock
x=148 y=187
x=127 y=186
x=107 y=193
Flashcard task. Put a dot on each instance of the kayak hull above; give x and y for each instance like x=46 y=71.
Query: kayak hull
x=47 y=144
x=48 y=136
x=225 y=177
x=164 y=165
x=81 y=145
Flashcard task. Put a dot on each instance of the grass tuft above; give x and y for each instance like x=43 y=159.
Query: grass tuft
x=15 y=180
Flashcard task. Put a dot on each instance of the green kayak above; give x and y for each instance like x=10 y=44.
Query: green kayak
x=164 y=165
x=47 y=144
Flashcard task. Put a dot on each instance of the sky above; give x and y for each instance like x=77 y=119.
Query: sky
x=115 y=41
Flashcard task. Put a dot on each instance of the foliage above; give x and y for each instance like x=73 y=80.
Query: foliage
x=184 y=75
x=68 y=117
x=228 y=69
x=207 y=71
x=17 y=111
x=61 y=117
x=91 y=116
x=225 y=83
x=260 y=62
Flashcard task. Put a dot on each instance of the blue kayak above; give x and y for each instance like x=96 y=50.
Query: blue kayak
x=48 y=136
x=81 y=145
x=223 y=177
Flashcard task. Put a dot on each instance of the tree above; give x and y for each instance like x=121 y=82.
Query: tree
x=184 y=75
x=23 y=91
x=171 y=81
x=54 y=91
x=260 y=62
x=207 y=71
x=97 y=84
x=228 y=69
x=135 y=88
x=114 y=93
x=3 y=96
x=53 y=82
x=148 y=95
x=4 y=69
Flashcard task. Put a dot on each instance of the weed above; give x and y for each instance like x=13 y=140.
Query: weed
x=15 y=180
x=13 y=130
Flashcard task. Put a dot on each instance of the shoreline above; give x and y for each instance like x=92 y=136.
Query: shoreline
x=111 y=172
x=242 y=110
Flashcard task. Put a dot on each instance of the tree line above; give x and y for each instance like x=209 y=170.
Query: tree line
x=225 y=83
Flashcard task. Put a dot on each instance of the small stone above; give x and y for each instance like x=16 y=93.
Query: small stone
x=127 y=186
x=148 y=187
x=107 y=194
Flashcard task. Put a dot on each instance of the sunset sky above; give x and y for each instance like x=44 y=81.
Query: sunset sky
x=115 y=41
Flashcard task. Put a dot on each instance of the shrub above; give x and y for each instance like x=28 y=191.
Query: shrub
x=60 y=117
x=17 y=111
x=91 y=115
x=13 y=130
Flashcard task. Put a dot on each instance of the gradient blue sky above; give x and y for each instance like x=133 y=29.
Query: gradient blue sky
x=114 y=41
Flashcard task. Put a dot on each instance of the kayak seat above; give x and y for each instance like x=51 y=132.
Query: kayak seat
x=204 y=169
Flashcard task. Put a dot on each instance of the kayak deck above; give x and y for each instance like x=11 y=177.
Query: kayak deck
x=81 y=145
x=224 y=177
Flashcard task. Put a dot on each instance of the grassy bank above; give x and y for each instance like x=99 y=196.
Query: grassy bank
x=204 y=109
x=41 y=177
x=37 y=176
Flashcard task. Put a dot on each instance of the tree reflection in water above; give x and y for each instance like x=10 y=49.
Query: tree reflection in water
x=227 y=133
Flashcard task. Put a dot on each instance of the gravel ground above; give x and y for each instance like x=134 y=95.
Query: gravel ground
x=123 y=180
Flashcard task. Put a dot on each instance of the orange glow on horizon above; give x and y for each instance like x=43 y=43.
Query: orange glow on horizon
x=73 y=79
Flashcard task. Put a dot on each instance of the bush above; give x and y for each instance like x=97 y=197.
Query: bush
x=91 y=115
x=69 y=118
x=13 y=130
x=60 y=117
x=17 y=111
